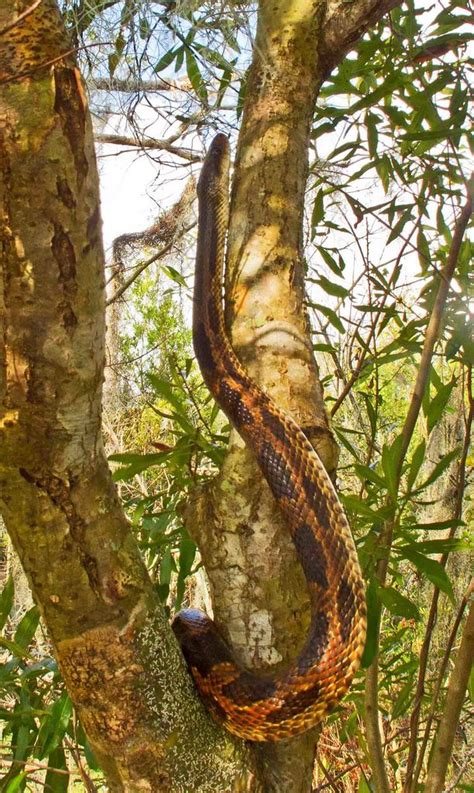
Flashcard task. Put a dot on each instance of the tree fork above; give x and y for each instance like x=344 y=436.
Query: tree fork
x=60 y=507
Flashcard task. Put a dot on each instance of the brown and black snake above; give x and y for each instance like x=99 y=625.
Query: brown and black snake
x=262 y=707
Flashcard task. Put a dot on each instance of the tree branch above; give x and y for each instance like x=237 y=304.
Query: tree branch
x=452 y=708
x=148 y=143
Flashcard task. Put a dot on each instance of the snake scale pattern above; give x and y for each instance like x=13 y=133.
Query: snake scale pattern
x=253 y=706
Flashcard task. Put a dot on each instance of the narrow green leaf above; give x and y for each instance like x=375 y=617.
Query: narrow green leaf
x=438 y=404
x=372 y=98
x=371 y=121
x=390 y=462
x=363 y=787
x=55 y=726
x=167 y=566
x=16 y=782
x=354 y=504
x=214 y=57
x=166 y=60
x=400 y=225
x=415 y=464
x=174 y=274
x=332 y=288
x=447 y=545
x=439 y=468
x=187 y=554
x=398 y=604
x=27 y=628
x=433 y=570
x=423 y=249
x=166 y=390
x=54 y=781
x=14 y=648
x=384 y=170
x=318 y=209
x=6 y=601
x=440 y=525
x=403 y=700
x=334 y=266
x=331 y=316
x=364 y=472
x=470 y=685
x=195 y=77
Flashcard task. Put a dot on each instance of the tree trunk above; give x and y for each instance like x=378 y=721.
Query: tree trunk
x=259 y=594
x=117 y=654
x=56 y=494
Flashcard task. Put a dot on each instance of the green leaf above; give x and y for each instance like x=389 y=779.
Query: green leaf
x=398 y=604
x=371 y=121
x=6 y=601
x=214 y=57
x=318 y=209
x=57 y=783
x=440 y=525
x=166 y=60
x=331 y=288
x=438 y=404
x=441 y=546
x=470 y=685
x=27 y=628
x=336 y=267
x=331 y=316
x=364 y=472
x=415 y=464
x=390 y=463
x=443 y=464
x=363 y=787
x=54 y=726
x=187 y=554
x=403 y=700
x=174 y=274
x=357 y=506
x=400 y=225
x=166 y=390
x=433 y=570
x=371 y=99
x=16 y=782
x=137 y=464
x=423 y=248
x=384 y=170
x=14 y=648
x=195 y=77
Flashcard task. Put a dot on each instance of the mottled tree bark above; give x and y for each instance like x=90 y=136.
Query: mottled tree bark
x=117 y=654
x=259 y=594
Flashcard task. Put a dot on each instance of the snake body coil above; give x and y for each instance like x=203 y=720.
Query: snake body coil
x=256 y=707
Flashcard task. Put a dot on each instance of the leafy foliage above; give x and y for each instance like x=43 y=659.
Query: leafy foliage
x=41 y=737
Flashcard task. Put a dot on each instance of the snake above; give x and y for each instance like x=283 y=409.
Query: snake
x=252 y=705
